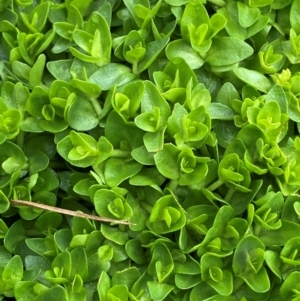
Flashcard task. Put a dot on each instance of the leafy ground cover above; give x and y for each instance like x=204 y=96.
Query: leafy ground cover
x=174 y=121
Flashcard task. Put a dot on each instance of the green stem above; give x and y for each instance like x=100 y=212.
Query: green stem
x=120 y=153
x=135 y=68
x=146 y=207
x=215 y=185
x=96 y=106
x=257 y=229
x=229 y=194
x=172 y=185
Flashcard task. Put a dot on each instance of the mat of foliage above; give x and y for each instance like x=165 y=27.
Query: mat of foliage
x=181 y=117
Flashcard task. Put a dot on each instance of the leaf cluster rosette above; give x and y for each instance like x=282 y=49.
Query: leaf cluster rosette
x=175 y=121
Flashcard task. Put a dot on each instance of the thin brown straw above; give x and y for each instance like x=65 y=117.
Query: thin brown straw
x=68 y=212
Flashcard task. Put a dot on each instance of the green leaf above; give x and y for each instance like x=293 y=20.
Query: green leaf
x=110 y=204
x=126 y=100
x=159 y=291
x=154 y=141
x=152 y=99
x=153 y=49
x=176 y=2
x=117 y=170
x=232 y=12
x=294 y=16
x=61 y=269
x=48 y=220
x=109 y=75
x=142 y=156
x=247 y=15
x=273 y=262
x=227 y=51
x=147 y=176
x=226 y=93
x=37 y=18
x=4 y=202
x=37 y=162
x=15 y=234
x=43 y=197
x=12 y=157
x=26 y=290
x=119 y=292
x=290 y=284
x=139 y=215
x=47 y=181
x=279 y=236
x=87 y=119
x=161 y=265
x=3 y=228
x=80 y=149
x=248 y=263
x=181 y=49
x=135 y=251
x=36 y=72
x=97 y=31
x=126 y=277
x=118 y=132
x=114 y=234
x=220 y=111
x=166 y=216
x=166 y=161
x=103 y=285
x=258 y=282
x=13 y=272
x=277 y=93
x=225 y=131
x=185 y=282
x=54 y=292
x=149 y=122
x=79 y=263
x=259 y=3
x=253 y=78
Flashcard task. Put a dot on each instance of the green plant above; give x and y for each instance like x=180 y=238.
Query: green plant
x=149 y=150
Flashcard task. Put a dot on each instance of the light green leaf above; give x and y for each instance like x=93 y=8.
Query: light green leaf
x=179 y=48
x=227 y=51
x=253 y=78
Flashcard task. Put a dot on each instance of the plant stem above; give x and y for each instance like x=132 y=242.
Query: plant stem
x=146 y=206
x=215 y=185
x=96 y=106
x=172 y=185
x=118 y=153
x=204 y=151
x=229 y=194
x=135 y=68
x=257 y=229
